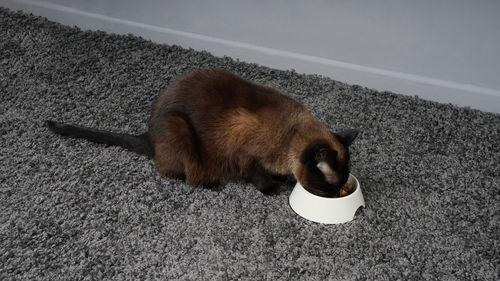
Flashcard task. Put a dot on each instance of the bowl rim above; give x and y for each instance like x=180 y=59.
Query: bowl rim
x=356 y=188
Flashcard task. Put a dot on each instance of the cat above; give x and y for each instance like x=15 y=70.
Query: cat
x=211 y=126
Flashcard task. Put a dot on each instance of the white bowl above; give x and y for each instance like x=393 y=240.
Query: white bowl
x=327 y=210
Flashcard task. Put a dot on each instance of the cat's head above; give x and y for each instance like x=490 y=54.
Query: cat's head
x=323 y=169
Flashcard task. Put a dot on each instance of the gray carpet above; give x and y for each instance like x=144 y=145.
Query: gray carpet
x=73 y=210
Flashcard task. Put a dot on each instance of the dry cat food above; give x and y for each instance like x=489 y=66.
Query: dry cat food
x=347 y=189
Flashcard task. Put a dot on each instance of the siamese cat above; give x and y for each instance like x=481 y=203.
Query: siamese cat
x=211 y=126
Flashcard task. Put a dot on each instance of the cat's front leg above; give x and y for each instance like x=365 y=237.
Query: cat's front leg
x=285 y=179
x=263 y=181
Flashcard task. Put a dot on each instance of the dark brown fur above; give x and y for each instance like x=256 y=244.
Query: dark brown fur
x=212 y=126
x=215 y=126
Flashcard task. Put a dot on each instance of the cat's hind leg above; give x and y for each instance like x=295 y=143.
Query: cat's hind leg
x=176 y=147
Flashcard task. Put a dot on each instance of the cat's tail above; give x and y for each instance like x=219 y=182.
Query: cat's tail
x=137 y=143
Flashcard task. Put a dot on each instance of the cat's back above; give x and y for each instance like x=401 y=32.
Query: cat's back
x=206 y=95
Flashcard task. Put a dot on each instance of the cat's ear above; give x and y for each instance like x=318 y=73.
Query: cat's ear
x=347 y=137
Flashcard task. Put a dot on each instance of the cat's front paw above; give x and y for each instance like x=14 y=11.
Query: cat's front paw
x=271 y=189
x=213 y=185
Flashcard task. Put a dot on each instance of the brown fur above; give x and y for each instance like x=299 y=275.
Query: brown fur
x=213 y=126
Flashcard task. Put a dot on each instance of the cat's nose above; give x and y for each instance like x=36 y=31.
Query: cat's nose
x=336 y=191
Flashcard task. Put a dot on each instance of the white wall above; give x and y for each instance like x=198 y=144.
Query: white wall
x=445 y=50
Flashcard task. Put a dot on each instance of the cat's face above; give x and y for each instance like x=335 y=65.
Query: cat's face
x=323 y=170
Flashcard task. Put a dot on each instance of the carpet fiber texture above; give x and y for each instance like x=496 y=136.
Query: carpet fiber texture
x=74 y=210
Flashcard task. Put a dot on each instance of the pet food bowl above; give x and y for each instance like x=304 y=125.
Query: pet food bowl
x=324 y=209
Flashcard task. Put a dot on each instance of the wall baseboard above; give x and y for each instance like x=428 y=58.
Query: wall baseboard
x=380 y=79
